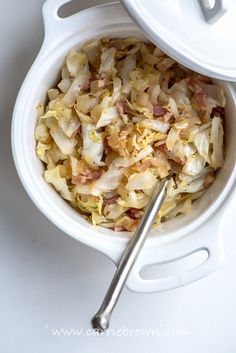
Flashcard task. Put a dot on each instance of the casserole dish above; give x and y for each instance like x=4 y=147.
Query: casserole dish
x=185 y=235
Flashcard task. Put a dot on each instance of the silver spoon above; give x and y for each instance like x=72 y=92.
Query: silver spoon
x=100 y=321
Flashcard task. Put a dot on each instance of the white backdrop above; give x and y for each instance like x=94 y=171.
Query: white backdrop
x=51 y=282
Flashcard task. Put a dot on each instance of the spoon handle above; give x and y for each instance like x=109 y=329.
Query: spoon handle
x=101 y=320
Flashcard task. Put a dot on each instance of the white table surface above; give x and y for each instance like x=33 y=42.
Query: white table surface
x=49 y=281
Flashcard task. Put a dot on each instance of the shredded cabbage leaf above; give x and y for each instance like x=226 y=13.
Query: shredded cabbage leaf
x=92 y=150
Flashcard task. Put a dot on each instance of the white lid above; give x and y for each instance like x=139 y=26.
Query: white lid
x=199 y=37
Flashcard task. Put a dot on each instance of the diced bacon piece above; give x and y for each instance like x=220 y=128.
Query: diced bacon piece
x=93 y=175
x=79 y=179
x=111 y=200
x=163 y=147
x=134 y=213
x=122 y=107
x=158 y=110
x=86 y=177
x=141 y=167
x=195 y=85
x=201 y=99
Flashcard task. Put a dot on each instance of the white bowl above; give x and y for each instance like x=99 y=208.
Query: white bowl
x=174 y=240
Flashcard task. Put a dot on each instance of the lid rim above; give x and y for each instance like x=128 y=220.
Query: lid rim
x=189 y=62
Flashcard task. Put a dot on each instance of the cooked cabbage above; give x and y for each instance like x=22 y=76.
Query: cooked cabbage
x=217 y=133
x=141 y=181
x=123 y=116
x=92 y=150
x=108 y=116
x=53 y=176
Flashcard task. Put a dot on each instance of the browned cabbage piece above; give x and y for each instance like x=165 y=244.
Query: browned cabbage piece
x=124 y=116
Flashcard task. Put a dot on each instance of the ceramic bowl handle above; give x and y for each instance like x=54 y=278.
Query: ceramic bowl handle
x=54 y=25
x=208 y=238
x=57 y=28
